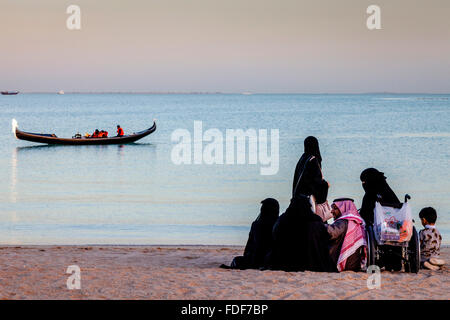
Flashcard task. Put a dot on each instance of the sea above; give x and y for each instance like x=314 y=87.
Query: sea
x=137 y=194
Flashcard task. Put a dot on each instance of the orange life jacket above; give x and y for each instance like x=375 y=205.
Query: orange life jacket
x=120 y=132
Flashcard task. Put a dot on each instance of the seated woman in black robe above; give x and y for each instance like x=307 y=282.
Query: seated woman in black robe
x=300 y=240
x=377 y=190
x=260 y=238
x=308 y=178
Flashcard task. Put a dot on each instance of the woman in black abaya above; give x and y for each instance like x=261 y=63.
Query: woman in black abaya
x=259 y=241
x=300 y=240
x=377 y=190
x=308 y=179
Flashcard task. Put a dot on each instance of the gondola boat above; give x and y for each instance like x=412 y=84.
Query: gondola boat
x=53 y=139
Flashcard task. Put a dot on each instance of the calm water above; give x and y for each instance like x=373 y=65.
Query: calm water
x=134 y=194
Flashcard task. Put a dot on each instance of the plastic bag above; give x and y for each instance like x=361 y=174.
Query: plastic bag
x=392 y=224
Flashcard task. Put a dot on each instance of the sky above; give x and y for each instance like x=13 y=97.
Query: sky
x=266 y=46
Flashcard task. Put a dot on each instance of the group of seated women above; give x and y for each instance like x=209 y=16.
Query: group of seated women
x=301 y=238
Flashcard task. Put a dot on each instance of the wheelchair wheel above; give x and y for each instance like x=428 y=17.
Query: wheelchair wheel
x=413 y=263
x=371 y=247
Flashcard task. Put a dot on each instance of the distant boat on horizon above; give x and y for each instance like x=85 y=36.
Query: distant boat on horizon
x=9 y=93
x=60 y=92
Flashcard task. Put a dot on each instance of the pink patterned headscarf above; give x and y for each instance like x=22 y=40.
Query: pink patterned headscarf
x=355 y=236
x=347 y=207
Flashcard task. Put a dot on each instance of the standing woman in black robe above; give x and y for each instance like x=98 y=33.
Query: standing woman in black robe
x=308 y=179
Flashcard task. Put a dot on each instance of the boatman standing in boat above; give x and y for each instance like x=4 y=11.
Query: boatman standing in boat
x=119 y=131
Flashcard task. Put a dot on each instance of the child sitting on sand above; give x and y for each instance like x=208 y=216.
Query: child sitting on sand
x=430 y=240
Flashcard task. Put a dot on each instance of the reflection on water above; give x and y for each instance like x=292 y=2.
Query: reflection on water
x=56 y=146
x=13 y=194
x=37 y=147
x=120 y=150
x=13 y=191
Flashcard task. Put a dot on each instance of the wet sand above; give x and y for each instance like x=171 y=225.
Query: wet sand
x=190 y=272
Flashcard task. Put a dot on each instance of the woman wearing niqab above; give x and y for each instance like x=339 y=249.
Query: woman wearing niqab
x=308 y=179
x=376 y=189
x=259 y=241
x=300 y=240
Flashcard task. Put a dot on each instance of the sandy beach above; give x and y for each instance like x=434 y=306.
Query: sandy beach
x=189 y=272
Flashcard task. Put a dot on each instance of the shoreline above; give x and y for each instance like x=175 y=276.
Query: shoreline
x=235 y=93
x=211 y=246
x=190 y=272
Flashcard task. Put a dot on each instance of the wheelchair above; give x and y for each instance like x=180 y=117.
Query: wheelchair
x=393 y=254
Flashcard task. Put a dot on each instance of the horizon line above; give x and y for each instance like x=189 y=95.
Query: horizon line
x=232 y=93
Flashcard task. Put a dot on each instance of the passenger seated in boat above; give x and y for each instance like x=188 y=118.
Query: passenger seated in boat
x=120 y=132
x=347 y=236
x=259 y=240
x=95 y=134
x=103 y=134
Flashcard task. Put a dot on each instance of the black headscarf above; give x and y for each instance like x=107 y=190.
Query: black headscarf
x=270 y=210
x=373 y=180
x=312 y=148
x=300 y=240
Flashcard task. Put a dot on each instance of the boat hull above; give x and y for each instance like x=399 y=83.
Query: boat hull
x=52 y=139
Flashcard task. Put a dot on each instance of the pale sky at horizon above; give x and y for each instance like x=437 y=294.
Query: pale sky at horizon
x=226 y=46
